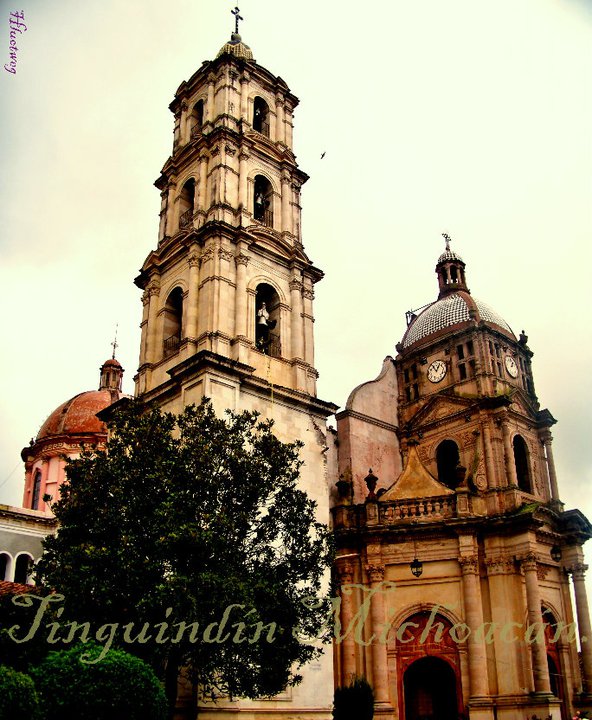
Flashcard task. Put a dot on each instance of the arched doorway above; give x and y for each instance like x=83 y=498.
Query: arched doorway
x=430 y=690
x=428 y=668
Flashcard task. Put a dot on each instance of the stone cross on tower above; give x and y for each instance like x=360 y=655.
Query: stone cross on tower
x=237 y=17
x=114 y=343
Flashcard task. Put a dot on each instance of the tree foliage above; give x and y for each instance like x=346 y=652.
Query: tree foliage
x=354 y=701
x=18 y=698
x=120 y=687
x=193 y=519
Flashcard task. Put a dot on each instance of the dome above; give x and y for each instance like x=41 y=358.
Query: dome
x=449 y=255
x=112 y=362
x=77 y=416
x=453 y=309
x=237 y=48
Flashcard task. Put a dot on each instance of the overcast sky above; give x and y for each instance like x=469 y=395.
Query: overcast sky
x=464 y=116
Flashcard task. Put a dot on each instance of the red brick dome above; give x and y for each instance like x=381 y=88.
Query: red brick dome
x=77 y=416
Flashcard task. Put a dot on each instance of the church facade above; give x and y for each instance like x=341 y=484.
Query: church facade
x=454 y=553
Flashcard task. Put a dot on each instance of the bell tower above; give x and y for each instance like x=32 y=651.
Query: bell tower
x=228 y=289
x=229 y=281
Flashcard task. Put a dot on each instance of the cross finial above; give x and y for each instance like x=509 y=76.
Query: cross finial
x=114 y=343
x=447 y=237
x=237 y=17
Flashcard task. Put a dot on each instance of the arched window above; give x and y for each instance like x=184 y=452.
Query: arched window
x=23 y=569
x=197 y=117
x=448 y=459
x=263 y=201
x=187 y=204
x=4 y=565
x=36 y=490
x=267 y=320
x=521 y=462
x=173 y=322
x=261 y=116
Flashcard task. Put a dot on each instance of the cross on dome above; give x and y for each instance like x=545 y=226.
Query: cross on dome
x=237 y=17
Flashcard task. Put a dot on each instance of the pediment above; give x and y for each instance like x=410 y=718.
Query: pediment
x=439 y=407
x=415 y=482
x=522 y=404
x=272 y=242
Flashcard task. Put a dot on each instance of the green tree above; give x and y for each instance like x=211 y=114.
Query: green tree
x=18 y=698
x=193 y=519
x=354 y=701
x=120 y=687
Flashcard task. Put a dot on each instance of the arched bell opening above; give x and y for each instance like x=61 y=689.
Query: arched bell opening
x=267 y=320
x=196 y=119
x=448 y=461
x=187 y=204
x=173 y=322
x=263 y=201
x=36 y=494
x=261 y=116
x=522 y=464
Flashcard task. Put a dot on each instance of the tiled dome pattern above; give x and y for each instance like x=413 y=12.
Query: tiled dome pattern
x=237 y=48
x=450 y=310
x=449 y=255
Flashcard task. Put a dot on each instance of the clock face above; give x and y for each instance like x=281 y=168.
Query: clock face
x=511 y=366
x=436 y=371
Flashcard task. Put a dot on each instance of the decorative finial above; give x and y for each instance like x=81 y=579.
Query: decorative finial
x=237 y=17
x=114 y=343
x=447 y=237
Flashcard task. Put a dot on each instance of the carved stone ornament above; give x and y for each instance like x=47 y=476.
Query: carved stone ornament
x=468 y=439
x=500 y=565
x=295 y=285
x=230 y=150
x=308 y=294
x=206 y=255
x=542 y=571
x=193 y=259
x=241 y=260
x=469 y=565
x=578 y=571
x=375 y=573
x=153 y=288
x=528 y=562
x=225 y=254
x=345 y=572
x=423 y=453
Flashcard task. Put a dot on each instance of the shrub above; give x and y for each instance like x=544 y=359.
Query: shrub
x=354 y=701
x=118 y=687
x=18 y=698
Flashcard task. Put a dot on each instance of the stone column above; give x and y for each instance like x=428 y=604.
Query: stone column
x=286 y=202
x=203 y=181
x=240 y=305
x=308 y=295
x=211 y=110
x=547 y=440
x=152 y=292
x=192 y=300
x=479 y=685
x=346 y=615
x=379 y=654
x=578 y=573
x=280 y=130
x=170 y=228
x=540 y=667
x=244 y=83
x=511 y=476
x=297 y=325
x=489 y=466
x=243 y=199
